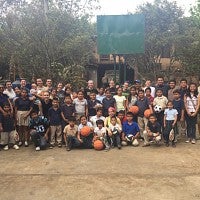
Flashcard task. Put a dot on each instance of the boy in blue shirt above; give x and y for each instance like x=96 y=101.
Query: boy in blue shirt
x=130 y=131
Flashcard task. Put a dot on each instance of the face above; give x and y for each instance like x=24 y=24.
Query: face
x=159 y=93
x=112 y=84
x=60 y=86
x=141 y=94
x=176 y=95
x=68 y=91
x=111 y=113
x=99 y=113
x=126 y=85
x=71 y=123
x=101 y=91
x=53 y=92
x=92 y=96
x=133 y=92
x=148 y=93
x=129 y=118
x=120 y=115
x=23 y=93
x=6 y=108
x=113 y=121
x=152 y=119
x=8 y=85
x=74 y=95
x=55 y=103
x=119 y=91
x=148 y=83
x=100 y=126
x=172 y=85
x=90 y=84
x=23 y=83
x=68 y=100
x=137 y=85
x=170 y=105
x=39 y=82
x=34 y=86
x=108 y=94
x=49 y=82
x=83 y=120
x=34 y=115
x=183 y=84
x=160 y=81
x=80 y=95
x=46 y=95
x=193 y=88
x=17 y=90
x=1 y=88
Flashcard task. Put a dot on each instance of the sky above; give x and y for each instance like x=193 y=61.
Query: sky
x=118 y=7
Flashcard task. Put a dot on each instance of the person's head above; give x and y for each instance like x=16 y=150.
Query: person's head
x=183 y=83
x=176 y=94
x=8 y=85
x=55 y=102
x=92 y=95
x=133 y=91
x=83 y=120
x=39 y=82
x=148 y=83
x=152 y=118
x=46 y=95
x=192 y=88
x=6 y=107
x=1 y=88
x=111 y=111
x=101 y=91
x=34 y=114
x=24 y=93
x=100 y=123
x=160 y=80
x=23 y=82
x=68 y=90
x=90 y=84
x=68 y=99
x=59 y=86
x=48 y=82
x=72 y=121
x=99 y=112
x=141 y=94
x=34 y=86
x=113 y=120
x=17 y=91
x=33 y=92
x=129 y=116
x=80 y=95
x=137 y=84
x=74 y=95
x=54 y=92
x=126 y=85
x=119 y=91
x=172 y=84
x=148 y=91
x=170 y=105
x=108 y=93
x=112 y=84
x=121 y=114
x=159 y=92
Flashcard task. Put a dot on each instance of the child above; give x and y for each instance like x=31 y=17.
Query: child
x=67 y=110
x=121 y=116
x=39 y=126
x=132 y=98
x=130 y=131
x=170 y=119
x=70 y=134
x=148 y=95
x=108 y=102
x=160 y=100
x=100 y=134
x=81 y=105
x=153 y=131
x=120 y=100
x=97 y=117
x=112 y=113
x=7 y=128
x=93 y=104
x=100 y=95
x=179 y=106
x=55 y=124
x=114 y=132
x=86 y=142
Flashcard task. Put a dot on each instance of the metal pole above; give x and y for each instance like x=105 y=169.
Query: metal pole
x=115 y=68
x=120 y=81
x=125 y=70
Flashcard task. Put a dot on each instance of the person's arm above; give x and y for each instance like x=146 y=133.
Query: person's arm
x=86 y=110
x=137 y=135
x=175 y=120
x=79 y=137
x=124 y=103
x=197 y=108
x=47 y=133
x=164 y=121
x=1 y=127
x=63 y=117
x=186 y=108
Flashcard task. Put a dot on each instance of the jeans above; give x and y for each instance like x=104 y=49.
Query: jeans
x=115 y=140
x=191 y=126
x=72 y=141
x=167 y=130
x=38 y=140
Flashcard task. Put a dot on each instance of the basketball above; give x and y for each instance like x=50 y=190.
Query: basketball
x=98 y=145
x=134 y=109
x=147 y=113
x=85 y=131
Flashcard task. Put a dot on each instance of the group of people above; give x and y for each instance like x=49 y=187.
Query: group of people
x=50 y=116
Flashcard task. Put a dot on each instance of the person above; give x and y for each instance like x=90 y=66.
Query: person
x=100 y=134
x=170 y=119
x=121 y=116
x=70 y=134
x=60 y=93
x=130 y=131
x=132 y=98
x=40 y=87
x=178 y=103
x=86 y=141
x=108 y=102
x=36 y=101
x=100 y=95
x=23 y=85
x=98 y=116
x=191 y=102
x=143 y=104
x=112 y=87
x=172 y=87
x=137 y=84
x=160 y=100
x=48 y=85
x=162 y=86
x=93 y=104
x=111 y=113
x=67 y=110
x=148 y=95
x=7 y=128
x=39 y=129
x=183 y=87
x=23 y=108
x=46 y=104
x=9 y=90
x=153 y=131
x=90 y=88
x=120 y=100
x=114 y=132
x=125 y=89
x=148 y=85
x=55 y=119
x=81 y=105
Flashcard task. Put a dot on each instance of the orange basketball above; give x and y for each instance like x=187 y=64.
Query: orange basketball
x=134 y=109
x=98 y=145
x=85 y=131
x=147 y=113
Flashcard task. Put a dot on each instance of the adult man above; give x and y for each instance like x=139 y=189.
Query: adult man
x=172 y=88
x=90 y=88
x=48 y=85
x=161 y=85
x=9 y=91
x=40 y=86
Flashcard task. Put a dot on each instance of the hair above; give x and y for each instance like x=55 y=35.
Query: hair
x=172 y=81
x=82 y=116
x=100 y=121
x=6 y=104
x=148 y=88
x=141 y=90
x=33 y=111
x=188 y=93
x=176 y=91
x=55 y=99
x=108 y=90
x=130 y=114
x=80 y=91
x=99 y=109
x=8 y=81
x=113 y=117
x=121 y=112
x=159 y=89
x=72 y=119
x=170 y=102
x=152 y=115
x=160 y=76
x=111 y=109
x=183 y=79
x=129 y=97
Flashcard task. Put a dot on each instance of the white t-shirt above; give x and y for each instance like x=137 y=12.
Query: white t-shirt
x=93 y=120
x=100 y=132
x=120 y=102
x=80 y=105
x=170 y=114
x=81 y=126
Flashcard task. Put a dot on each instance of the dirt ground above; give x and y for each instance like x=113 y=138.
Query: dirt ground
x=156 y=173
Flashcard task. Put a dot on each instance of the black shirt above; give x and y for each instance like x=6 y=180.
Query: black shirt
x=91 y=104
x=87 y=92
x=7 y=122
x=107 y=103
x=45 y=107
x=68 y=110
x=154 y=128
x=55 y=116
x=23 y=104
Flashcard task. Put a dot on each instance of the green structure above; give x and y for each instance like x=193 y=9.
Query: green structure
x=120 y=34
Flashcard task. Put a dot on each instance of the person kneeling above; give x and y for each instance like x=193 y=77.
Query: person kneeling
x=131 y=131
x=39 y=126
x=153 y=131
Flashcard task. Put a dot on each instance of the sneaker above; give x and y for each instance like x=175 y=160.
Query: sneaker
x=26 y=144
x=20 y=144
x=187 y=141
x=59 y=145
x=167 y=144
x=193 y=141
x=68 y=149
x=145 y=145
x=51 y=146
x=16 y=147
x=119 y=146
x=37 y=148
x=6 y=148
x=173 y=144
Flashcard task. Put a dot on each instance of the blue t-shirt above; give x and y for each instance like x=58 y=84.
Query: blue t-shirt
x=179 y=106
x=55 y=116
x=132 y=128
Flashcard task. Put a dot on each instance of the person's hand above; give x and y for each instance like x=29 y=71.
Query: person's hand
x=173 y=125
x=81 y=141
x=1 y=129
x=46 y=136
x=109 y=133
x=193 y=115
x=164 y=125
